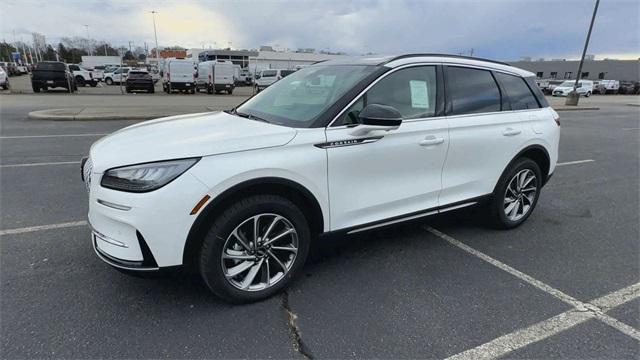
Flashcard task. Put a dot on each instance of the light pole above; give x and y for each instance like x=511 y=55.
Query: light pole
x=573 y=96
x=155 y=33
x=88 y=44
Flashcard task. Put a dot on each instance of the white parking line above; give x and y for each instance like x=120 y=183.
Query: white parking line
x=575 y=162
x=542 y=330
x=48 y=136
x=40 y=164
x=43 y=227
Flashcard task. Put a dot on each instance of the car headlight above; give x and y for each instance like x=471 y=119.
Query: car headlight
x=145 y=177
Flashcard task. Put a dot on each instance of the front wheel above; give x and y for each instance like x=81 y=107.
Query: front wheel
x=516 y=194
x=254 y=248
x=589 y=94
x=108 y=81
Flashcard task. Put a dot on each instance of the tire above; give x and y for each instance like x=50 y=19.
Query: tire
x=80 y=81
x=230 y=92
x=152 y=90
x=108 y=81
x=500 y=215
x=209 y=89
x=94 y=84
x=587 y=94
x=36 y=89
x=128 y=90
x=238 y=218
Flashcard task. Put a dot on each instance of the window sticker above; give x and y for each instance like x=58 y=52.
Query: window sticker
x=419 y=94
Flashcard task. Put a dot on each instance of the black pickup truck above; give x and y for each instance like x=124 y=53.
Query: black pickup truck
x=51 y=74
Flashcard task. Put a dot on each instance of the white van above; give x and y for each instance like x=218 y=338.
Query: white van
x=585 y=88
x=178 y=74
x=267 y=77
x=216 y=76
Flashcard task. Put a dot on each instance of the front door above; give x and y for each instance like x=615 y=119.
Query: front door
x=381 y=175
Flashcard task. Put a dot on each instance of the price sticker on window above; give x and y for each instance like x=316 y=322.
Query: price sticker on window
x=419 y=94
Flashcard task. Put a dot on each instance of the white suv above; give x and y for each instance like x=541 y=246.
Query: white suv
x=339 y=147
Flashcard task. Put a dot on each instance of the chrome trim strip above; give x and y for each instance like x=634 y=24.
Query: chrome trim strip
x=393 y=222
x=103 y=258
x=458 y=206
x=348 y=142
x=107 y=239
x=113 y=205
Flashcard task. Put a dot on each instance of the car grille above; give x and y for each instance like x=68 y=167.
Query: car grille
x=86 y=173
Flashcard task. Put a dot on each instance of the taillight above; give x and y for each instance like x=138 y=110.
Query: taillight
x=209 y=77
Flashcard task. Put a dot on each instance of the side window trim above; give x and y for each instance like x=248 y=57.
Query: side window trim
x=440 y=100
x=505 y=100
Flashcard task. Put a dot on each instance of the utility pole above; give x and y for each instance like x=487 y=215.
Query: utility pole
x=105 y=49
x=155 y=33
x=129 y=46
x=573 y=96
x=88 y=44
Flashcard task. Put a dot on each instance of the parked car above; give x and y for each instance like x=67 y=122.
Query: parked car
x=117 y=76
x=585 y=88
x=22 y=69
x=139 y=80
x=4 y=79
x=629 y=88
x=178 y=74
x=340 y=147
x=98 y=72
x=83 y=75
x=245 y=77
x=215 y=76
x=606 y=87
x=267 y=77
x=52 y=74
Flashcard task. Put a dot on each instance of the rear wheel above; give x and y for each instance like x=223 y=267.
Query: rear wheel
x=210 y=89
x=152 y=90
x=254 y=248
x=80 y=81
x=94 y=84
x=108 y=81
x=230 y=91
x=516 y=194
x=35 y=89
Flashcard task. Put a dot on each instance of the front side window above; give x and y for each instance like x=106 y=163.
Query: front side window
x=411 y=91
x=269 y=73
x=302 y=97
x=518 y=92
x=472 y=91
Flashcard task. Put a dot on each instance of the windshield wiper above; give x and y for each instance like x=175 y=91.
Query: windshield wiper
x=249 y=116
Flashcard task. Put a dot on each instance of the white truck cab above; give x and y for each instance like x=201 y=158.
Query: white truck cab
x=179 y=74
x=585 y=88
x=216 y=76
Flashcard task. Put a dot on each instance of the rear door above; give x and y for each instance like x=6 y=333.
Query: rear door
x=484 y=134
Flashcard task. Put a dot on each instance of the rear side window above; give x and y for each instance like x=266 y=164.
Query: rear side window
x=269 y=73
x=520 y=96
x=286 y=72
x=472 y=91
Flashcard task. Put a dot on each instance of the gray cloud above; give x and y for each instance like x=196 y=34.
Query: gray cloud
x=494 y=28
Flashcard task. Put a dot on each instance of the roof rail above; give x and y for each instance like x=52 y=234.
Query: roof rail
x=443 y=55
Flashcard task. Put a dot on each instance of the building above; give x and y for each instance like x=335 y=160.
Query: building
x=169 y=53
x=623 y=70
x=259 y=60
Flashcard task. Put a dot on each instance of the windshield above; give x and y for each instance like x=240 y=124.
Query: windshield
x=300 y=98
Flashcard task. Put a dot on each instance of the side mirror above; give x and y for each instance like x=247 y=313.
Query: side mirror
x=378 y=117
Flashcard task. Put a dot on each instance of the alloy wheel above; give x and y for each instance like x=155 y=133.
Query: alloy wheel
x=520 y=194
x=259 y=252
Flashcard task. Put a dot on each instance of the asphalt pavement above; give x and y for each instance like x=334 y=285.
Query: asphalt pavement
x=563 y=285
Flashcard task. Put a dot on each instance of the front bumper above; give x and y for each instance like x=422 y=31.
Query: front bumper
x=142 y=231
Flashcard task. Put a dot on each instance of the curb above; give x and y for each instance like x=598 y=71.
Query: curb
x=575 y=108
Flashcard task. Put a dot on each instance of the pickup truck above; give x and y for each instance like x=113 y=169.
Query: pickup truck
x=83 y=75
x=51 y=74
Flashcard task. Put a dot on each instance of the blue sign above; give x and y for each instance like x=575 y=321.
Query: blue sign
x=15 y=56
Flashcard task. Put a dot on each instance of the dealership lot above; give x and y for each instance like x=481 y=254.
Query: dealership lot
x=435 y=288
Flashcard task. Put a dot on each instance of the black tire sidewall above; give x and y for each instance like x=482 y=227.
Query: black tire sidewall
x=497 y=206
x=210 y=256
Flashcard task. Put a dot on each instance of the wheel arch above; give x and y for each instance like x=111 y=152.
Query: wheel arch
x=535 y=152
x=289 y=189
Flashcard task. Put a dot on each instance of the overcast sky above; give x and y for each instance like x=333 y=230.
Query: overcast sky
x=500 y=29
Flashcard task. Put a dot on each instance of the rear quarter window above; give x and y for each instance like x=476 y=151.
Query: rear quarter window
x=518 y=92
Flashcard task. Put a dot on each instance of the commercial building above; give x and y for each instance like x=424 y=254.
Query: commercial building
x=623 y=70
x=262 y=59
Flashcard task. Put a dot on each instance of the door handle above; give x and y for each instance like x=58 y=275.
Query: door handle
x=511 y=132
x=431 y=140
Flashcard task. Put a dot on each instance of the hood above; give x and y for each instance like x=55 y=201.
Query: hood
x=185 y=136
x=563 y=88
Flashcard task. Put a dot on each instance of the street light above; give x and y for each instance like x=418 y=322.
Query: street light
x=573 y=96
x=155 y=33
x=88 y=44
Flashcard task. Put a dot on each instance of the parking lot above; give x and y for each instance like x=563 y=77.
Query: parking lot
x=566 y=284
